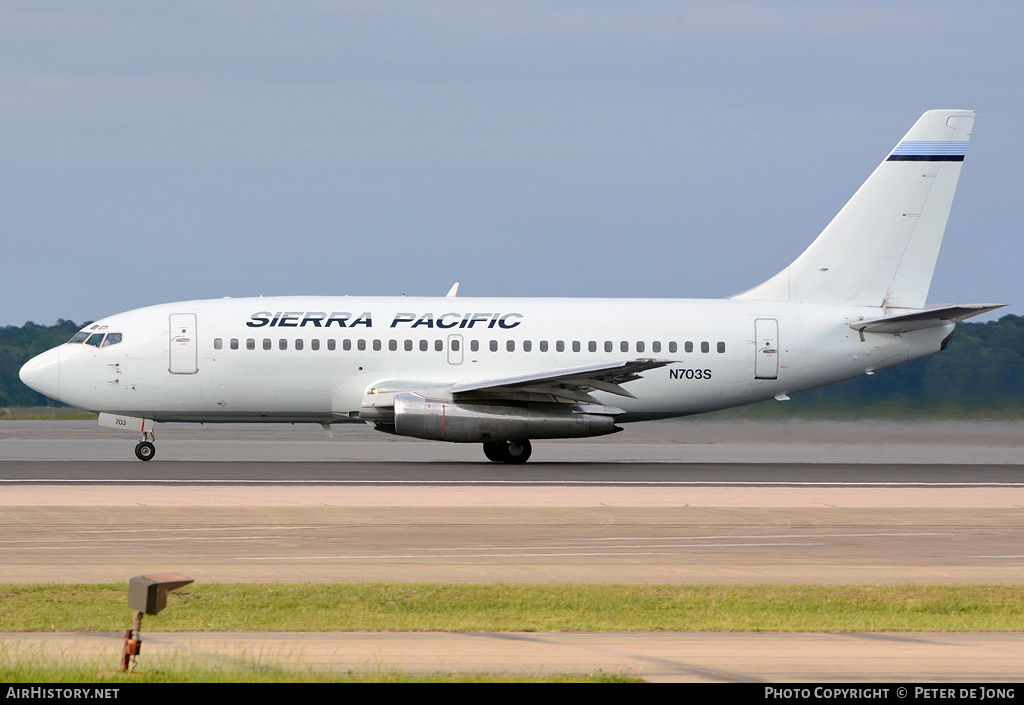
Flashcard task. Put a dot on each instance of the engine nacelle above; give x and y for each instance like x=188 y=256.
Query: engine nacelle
x=459 y=422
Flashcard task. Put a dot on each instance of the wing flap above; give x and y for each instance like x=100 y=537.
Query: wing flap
x=605 y=377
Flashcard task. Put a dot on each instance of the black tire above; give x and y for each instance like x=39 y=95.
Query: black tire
x=517 y=452
x=493 y=451
x=509 y=452
x=145 y=450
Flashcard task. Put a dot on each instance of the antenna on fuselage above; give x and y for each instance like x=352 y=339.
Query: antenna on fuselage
x=453 y=291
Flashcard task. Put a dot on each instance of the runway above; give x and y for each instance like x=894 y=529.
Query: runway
x=733 y=503
x=242 y=503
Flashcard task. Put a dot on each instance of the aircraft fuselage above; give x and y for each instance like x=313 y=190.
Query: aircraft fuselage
x=316 y=359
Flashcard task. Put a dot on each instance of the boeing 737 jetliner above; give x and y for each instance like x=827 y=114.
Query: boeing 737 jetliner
x=503 y=371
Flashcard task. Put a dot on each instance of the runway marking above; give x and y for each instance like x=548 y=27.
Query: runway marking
x=765 y=536
x=508 y=550
x=679 y=545
x=503 y=554
x=10 y=544
x=61 y=544
x=185 y=530
x=599 y=483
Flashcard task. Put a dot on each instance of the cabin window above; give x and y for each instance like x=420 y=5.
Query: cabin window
x=250 y=344
x=705 y=347
x=608 y=347
x=233 y=344
x=456 y=345
x=438 y=346
x=592 y=346
x=527 y=345
x=424 y=345
x=543 y=346
x=266 y=343
x=377 y=346
x=392 y=345
x=474 y=345
x=494 y=346
x=688 y=346
x=656 y=346
x=510 y=345
x=624 y=347
x=672 y=347
x=315 y=343
x=298 y=344
x=640 y=346
x=559 y=346
x=721 y=346
x=218 y=343
x=575 y=346
x=361 y=344
x=282 y=344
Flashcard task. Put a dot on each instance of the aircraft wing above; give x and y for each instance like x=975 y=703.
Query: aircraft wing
x=928 y=318
x=571 y=383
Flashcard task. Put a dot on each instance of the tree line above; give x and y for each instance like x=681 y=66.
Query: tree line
x=982 y=370
x=17 y=345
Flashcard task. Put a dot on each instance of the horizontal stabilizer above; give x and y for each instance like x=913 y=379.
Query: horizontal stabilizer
x=927 y=318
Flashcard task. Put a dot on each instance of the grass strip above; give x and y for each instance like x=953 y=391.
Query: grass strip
x=517 y=607
x=45 y=413
x=100 y=672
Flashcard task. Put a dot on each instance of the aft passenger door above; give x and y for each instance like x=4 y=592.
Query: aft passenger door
x=766 y=346
x=183 y=344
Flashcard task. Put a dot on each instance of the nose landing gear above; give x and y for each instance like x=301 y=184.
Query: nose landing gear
x=145 y=450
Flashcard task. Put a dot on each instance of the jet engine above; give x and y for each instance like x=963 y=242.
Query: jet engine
x=460 y=422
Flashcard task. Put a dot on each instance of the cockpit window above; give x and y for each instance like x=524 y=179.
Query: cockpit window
x=97 y=340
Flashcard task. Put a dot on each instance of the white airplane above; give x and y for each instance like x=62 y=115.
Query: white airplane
x=502 y=371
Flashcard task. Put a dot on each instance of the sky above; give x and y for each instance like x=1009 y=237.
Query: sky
x=158 y=152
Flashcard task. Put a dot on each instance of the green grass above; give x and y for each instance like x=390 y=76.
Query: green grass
x=446 y=607
x=44 y=413
x=100 y=672
x=805 y=408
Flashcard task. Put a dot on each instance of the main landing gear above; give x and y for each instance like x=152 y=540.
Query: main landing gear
x=145 y=450
x=512 y=452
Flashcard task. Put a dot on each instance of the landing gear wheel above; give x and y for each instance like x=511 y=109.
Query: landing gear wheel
x=517 y=452
x=493 y=451
x=510 y=452
x=145 y=450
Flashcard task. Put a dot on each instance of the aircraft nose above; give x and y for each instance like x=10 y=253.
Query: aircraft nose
x=42 y=373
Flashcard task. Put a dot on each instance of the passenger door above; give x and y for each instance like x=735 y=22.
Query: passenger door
x=766 y=345
x=183 y=344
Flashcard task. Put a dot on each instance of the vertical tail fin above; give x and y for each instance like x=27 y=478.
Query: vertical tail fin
x=880 y=250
